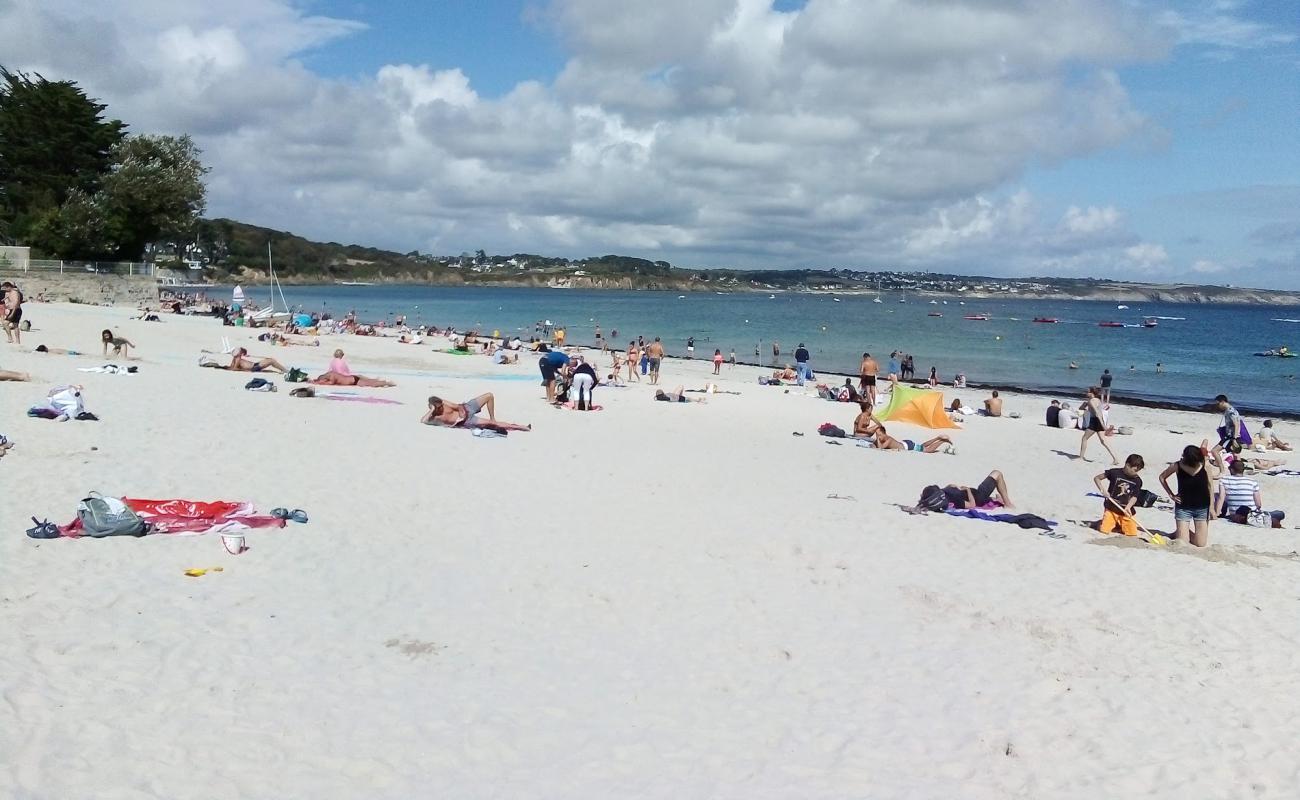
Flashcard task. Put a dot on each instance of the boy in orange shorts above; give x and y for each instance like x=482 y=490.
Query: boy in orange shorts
x=1121 y=487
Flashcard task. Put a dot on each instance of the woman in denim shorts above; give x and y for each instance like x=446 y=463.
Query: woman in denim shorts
x=1196 y=476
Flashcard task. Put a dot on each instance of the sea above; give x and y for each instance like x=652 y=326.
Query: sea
x=1204 y=349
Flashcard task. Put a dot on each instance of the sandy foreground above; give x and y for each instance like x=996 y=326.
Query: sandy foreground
x=652 y=600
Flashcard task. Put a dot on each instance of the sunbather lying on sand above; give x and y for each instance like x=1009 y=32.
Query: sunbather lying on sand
x=240 y=362
x=7 y=375
x=62 y=351
x=935 y=498
x=340 y=374
x=677 y=395
x=787 y=374
x=452 y=415
x=335 y=379
x=886 y=442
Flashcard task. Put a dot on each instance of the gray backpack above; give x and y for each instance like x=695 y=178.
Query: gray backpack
x=108 y=516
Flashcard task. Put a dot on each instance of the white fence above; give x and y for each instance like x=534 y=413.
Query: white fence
x=85 y=267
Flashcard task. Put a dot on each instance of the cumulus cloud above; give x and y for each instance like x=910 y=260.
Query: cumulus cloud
x=720 y=132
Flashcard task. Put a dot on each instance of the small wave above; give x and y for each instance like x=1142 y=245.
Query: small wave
x=1286 y=320
x=1179 y=318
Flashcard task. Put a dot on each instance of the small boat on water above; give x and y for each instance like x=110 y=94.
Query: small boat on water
x=1121 y=308
x=1277 y=352
x=934 y=314
x=1049 y=320
x=978 y=317
x=1110 y=324
x=1149 y=322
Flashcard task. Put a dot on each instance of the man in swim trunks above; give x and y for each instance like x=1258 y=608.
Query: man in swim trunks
x=655 y=350
x=886 y=442
x=239 y=362
x=677 y=395
x=452 y=415
x=867 y=374
x=993 y=405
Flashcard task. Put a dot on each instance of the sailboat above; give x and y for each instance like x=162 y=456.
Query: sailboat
x=270 y=313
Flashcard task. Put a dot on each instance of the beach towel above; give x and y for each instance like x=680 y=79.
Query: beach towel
x=189 y=516
x=110 y=369
x=1026 y=521
x=1279 y=472
x=357 y=398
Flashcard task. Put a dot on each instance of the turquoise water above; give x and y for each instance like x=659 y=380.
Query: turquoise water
x=1207 y=350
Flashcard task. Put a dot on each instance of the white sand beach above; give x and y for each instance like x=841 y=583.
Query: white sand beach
x=654 y=600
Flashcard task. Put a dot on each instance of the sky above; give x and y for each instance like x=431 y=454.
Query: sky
x=1132 y=139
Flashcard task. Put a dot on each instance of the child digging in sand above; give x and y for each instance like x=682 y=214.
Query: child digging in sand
x=1120 y=486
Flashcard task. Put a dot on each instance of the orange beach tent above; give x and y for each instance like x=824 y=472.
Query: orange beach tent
x=917 y=406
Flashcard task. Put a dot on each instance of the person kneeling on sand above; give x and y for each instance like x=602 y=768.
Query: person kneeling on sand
x=463 y=415
x=934 y=498
x=121 y=346
x=677 y=395
x=240 y=362
x=1121 y=489
x=939 y=443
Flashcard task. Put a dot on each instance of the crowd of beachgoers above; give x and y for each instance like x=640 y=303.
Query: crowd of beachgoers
x=1210 y=480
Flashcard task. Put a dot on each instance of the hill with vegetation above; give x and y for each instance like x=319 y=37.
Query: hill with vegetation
x=232 y=251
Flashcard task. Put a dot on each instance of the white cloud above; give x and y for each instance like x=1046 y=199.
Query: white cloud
x=1146 y=256
x=702 y=131
x=1205 y=266
x=1090 y=220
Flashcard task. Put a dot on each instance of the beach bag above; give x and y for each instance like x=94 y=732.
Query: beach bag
x=833 y=431
x=1258 y=519
x=260 y=385
x=108 y=516
x=933 y=498
x=295 y=375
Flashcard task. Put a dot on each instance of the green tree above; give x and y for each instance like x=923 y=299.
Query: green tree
x=54 y=142
x=154 y=191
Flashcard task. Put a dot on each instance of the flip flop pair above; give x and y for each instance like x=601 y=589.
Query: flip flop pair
x=297 y=515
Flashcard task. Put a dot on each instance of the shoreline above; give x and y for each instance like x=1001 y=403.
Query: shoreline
x=1048 y=393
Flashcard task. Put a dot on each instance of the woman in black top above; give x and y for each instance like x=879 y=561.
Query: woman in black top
x=1192 y=507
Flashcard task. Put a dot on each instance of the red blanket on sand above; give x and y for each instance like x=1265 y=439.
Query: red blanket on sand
x=190 y=516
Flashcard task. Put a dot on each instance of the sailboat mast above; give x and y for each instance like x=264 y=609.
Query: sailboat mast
x=275 y=282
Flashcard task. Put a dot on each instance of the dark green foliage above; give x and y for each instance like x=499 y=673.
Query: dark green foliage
x=54 y=142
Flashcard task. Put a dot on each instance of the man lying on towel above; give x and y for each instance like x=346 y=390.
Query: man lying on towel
x=464 y=415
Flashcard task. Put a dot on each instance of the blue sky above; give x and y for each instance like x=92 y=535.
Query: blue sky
x=1147 y=139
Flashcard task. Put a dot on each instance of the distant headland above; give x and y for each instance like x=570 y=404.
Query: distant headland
x=230 y=251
